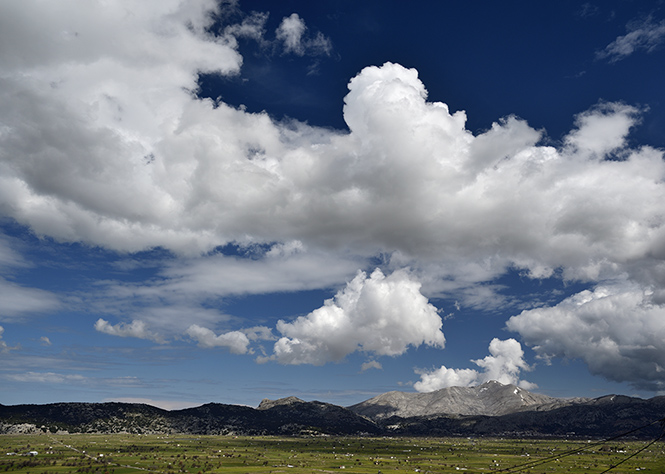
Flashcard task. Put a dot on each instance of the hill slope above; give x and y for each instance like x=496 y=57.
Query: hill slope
x=212 y=418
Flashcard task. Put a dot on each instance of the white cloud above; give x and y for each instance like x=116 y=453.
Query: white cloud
x=235 y=341
x=376 y=314
x=9 y=257
x=504 y=364
x=95 y=87
x=444 y=377
x=17 y=302
x=47 y=377
x=259 y=333
x=253 y=26
x=285 y=267
x=73 y=379
x=291 y=32
x=103 y=142
x=602 y=129
x=186 y=292
x=409 y=177
x=45 y=341
x=371 y=364
x=136 y=328
x=617 y=330
x=642 y=35
x=4 y=348
x=35 y=35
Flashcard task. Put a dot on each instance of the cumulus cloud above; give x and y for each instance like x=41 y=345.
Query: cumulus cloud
x=374 y=314
x=644 y=35
x=617 y=330
x=602 y=129
x=98 y=85
x=444 y=377
x=504 y=364
x=408 y=177
x=235 y=341
x=103 y=141
x=136 y=328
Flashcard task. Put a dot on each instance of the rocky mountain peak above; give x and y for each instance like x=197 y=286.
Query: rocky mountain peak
x=490 y=398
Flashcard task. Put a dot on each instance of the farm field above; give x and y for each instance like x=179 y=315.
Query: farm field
x=174 y=454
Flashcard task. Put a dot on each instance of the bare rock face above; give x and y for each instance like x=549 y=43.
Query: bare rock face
x=20 y=428
x=489 y=399
x=267 y=403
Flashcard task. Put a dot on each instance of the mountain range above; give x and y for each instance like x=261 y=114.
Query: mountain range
x=490 y=409
x=489 y=399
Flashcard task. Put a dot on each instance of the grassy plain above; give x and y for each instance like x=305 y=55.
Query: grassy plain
x=176 y=454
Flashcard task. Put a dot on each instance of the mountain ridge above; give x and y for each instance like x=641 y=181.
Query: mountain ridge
x=491 y=409
x=490 y=398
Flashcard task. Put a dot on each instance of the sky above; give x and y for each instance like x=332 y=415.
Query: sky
x=205 y=201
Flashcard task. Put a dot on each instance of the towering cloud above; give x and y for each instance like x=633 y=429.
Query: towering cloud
x=504 y=364
x=376 y=314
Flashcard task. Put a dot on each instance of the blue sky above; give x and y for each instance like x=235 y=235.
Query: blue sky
x=205 y=201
